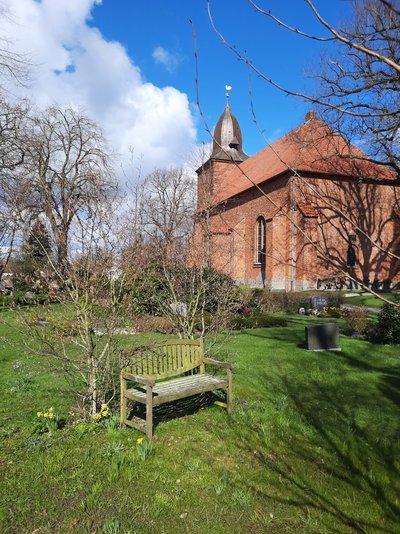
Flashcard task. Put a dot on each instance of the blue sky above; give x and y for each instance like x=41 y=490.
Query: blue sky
x=142 y=26
x=130 y=64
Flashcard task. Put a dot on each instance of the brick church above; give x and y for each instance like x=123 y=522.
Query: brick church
x=310 y=211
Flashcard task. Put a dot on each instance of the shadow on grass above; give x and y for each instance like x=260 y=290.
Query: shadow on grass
x=178 y=408
x=352 y=448
x=389 y=381
x=280 y=334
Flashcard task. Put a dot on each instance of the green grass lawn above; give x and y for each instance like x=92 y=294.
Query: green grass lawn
x=367 y=299
x=313 y=445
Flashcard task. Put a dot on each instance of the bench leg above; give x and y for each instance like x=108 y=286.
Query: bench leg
x=229 y=392
x=123 y=401
x=149 y=411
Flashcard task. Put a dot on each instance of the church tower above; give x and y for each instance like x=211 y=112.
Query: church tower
x=227 y=151
x=227 y=139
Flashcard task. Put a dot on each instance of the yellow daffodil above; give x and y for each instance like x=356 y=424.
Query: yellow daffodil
x=105 y=414
x=139 y=441
x=51 y=415
x=45 y=414
x=97 y=417
x=40 y=414
x=104 y=407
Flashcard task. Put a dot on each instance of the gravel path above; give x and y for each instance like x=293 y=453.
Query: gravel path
x=355 y=307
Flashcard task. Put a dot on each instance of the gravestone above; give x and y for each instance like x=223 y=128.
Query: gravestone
x=319 y=302
x=322 y=337
x=179 y=308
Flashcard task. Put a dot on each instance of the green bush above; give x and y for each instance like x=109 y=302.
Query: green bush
x=214 y=282
x=203 y=319
x=150 y=323
x=357 y=321
x=151 y=291
x=20 y=285
x=388 y=328
x=249 y=297
x=144 y=296
x=6 y=300
x=291 y=301
x=18 y=298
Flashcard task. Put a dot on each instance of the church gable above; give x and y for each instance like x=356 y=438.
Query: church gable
x=312 y=148
x=286 y=217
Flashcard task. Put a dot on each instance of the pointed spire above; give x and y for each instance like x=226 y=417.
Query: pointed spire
x=227 y=143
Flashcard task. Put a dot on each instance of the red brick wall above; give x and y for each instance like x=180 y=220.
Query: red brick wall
x=210 y=177
x=346 y=207
x=231 y=231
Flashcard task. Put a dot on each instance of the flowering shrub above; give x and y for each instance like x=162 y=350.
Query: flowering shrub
x=104 y=413
x=144 y=448
x=47 y=421
x=332 y=311
x=106 y=418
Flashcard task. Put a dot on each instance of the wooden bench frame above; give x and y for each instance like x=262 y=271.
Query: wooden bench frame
x=153 y=366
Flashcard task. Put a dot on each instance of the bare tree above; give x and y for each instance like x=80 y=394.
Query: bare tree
x=166 y=204
x=157 y=222
x=362 y=79
x=12 y=192
x=197 y=300
x=84 y=348
x=16 y=67
x=358 y=87
x=158 y=258
x=13 y=65
x=66 y=171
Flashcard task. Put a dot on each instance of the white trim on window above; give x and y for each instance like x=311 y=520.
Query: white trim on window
x=260 y=241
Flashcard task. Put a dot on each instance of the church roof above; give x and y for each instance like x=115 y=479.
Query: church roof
x=227 y=143
x=312 y=147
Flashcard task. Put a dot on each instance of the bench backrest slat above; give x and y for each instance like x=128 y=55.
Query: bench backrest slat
x=173 y=358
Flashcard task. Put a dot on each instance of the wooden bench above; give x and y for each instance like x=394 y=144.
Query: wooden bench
x=165 y=373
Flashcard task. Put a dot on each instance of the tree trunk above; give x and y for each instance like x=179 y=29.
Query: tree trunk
x=92 y=371
x=62 y=252
x=92 y=380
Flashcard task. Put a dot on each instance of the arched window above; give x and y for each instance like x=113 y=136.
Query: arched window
x=260 y=241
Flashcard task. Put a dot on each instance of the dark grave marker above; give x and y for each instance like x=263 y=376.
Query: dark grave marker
x=322 y=337
x=319 y=302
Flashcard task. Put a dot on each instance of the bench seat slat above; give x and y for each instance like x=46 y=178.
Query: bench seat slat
x=178 y=388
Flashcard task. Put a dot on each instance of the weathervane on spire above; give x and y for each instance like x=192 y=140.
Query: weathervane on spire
x=228 y=88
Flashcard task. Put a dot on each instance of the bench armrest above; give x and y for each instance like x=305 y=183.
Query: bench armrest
x=217 y=363
x=138 y=379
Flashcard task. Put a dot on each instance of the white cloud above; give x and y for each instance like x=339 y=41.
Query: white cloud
x=74 y=65
x=170 y=61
